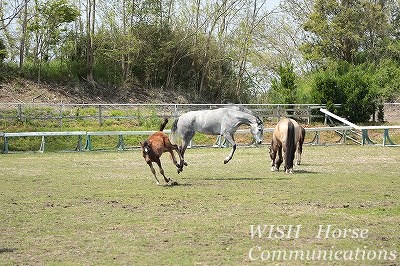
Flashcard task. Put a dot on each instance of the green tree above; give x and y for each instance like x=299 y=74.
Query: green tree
x=347 y=30
x=3 y=51
x=350 y=86
x=283 y=90
x=46 y=28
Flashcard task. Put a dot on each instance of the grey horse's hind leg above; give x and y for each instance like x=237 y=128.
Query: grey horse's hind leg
x=171 y=151
x=230 y=139
x=185 y=142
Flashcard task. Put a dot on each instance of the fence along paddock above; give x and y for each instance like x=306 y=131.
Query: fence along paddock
x=142 y=112
x=121 y=145
x=365 y=139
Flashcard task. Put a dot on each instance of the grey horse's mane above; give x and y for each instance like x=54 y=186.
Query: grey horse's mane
x=240 y=108
x=245 y=110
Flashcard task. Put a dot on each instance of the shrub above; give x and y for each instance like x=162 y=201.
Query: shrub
x=349 y=86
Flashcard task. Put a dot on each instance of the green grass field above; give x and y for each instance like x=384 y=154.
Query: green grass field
x=104 y=208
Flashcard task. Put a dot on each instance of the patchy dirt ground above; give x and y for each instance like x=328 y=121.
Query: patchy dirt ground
x=26 y=91
x=392 y=113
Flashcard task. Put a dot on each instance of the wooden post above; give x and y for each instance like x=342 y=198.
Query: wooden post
x=19 y=115
x=5 y=147
x=61 y=113
x=100 y=116
x=138 y=114
x=79 y=145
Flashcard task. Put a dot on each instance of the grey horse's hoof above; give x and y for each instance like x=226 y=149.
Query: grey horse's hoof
x=173 y=183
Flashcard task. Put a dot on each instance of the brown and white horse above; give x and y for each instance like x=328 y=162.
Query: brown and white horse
x=287 y=137
x=153 y=148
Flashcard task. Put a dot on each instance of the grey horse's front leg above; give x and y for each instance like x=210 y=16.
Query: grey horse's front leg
x=230 y=139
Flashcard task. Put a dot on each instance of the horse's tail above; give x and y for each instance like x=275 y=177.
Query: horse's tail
x=301 y=139
x=290 y=146
x=163 y=124
x=174 y=128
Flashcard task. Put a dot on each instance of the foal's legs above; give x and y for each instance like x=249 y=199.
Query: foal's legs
x=230 y=139
x=162 y=171
x=153 y=171
x=158 y=162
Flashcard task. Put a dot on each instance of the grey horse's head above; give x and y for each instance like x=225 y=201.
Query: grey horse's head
x=257 y=129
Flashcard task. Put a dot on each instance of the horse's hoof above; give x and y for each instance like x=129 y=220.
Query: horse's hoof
x=172 y=183
x=273 y=169
x=289 y=171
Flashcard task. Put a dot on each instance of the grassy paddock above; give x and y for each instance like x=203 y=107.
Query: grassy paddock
x=104 y=208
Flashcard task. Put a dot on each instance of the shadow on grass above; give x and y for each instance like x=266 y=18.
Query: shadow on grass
x=176 y=184
x=235 y=179
x=284 y=176
x=6 y=250
x=305 y=172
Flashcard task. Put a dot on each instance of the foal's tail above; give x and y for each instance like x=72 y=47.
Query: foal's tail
x=163 y=124
x=290 y=146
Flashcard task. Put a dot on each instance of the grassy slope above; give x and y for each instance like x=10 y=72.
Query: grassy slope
x=104 y=208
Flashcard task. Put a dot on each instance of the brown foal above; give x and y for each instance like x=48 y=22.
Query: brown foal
x=155 y=146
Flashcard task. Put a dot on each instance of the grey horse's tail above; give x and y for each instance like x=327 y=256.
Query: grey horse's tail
x=290 y=146
x=174 y=128
x=163 y=124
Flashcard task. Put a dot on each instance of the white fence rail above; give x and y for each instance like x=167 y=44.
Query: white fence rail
x=365 y=139
x=121 y=145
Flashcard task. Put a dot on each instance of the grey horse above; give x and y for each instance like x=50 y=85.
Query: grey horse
x=223 y=121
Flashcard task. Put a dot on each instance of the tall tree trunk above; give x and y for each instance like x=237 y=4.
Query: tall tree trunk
x=90 y=12
x=124 y=56
x=249 y=29
x=23 y=35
